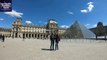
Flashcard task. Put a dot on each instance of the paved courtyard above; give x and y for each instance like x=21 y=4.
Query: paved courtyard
x=36 y=49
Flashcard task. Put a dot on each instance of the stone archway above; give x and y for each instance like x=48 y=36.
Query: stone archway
x=23 y=35
x=16 y=35
x=35 y=35
x=27 y=35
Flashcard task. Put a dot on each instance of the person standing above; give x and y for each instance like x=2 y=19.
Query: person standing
x=3 y=38
x=52 y=41
x=0 y=36
x=57 y=39
x=23 y=38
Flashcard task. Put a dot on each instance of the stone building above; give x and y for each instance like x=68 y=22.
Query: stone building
x=6 y=32
x=29 y=31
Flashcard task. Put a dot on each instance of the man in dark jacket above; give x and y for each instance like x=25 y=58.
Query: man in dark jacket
x=52 y=41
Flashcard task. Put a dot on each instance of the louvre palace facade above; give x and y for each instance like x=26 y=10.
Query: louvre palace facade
x=20 y=30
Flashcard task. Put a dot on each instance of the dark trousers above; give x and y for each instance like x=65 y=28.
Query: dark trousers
x=3 y=39
x=56 y=45
x=52 y=44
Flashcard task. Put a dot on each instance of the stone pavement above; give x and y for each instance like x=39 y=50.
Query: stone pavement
x=36 y=49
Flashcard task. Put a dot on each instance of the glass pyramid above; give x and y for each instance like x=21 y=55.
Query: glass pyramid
x=77 y=30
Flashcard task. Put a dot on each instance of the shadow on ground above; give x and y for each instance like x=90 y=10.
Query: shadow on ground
x=46 y=49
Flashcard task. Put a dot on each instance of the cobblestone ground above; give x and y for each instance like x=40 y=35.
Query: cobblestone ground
x=35 y=49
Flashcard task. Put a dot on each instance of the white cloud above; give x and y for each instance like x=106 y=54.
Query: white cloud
x=14 y=13
x=95 y=25
x=89 y=8
x=1 y=19
x=51 y=21
x=69 y=12
x=84 y=11
x=28 y=22
x=64 y=26
x=91 y=26
x=87 y=25
x=89 y=3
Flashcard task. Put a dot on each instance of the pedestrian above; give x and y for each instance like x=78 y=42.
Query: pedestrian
x=23 y=38
x=0 y=36
x=57 y=39
x=52 y=41
x=105 y=37
x=3 y=38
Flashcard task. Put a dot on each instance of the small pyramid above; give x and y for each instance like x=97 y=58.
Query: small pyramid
x=77 y=30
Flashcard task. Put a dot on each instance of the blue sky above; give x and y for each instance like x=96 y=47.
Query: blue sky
x=65 y=12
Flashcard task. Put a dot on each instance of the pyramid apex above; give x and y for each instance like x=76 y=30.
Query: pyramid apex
x=77 y=21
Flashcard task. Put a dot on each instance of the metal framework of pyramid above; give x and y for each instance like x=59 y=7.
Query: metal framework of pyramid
x=77 y=30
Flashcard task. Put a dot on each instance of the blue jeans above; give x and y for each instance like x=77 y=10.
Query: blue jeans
x=56 y=45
